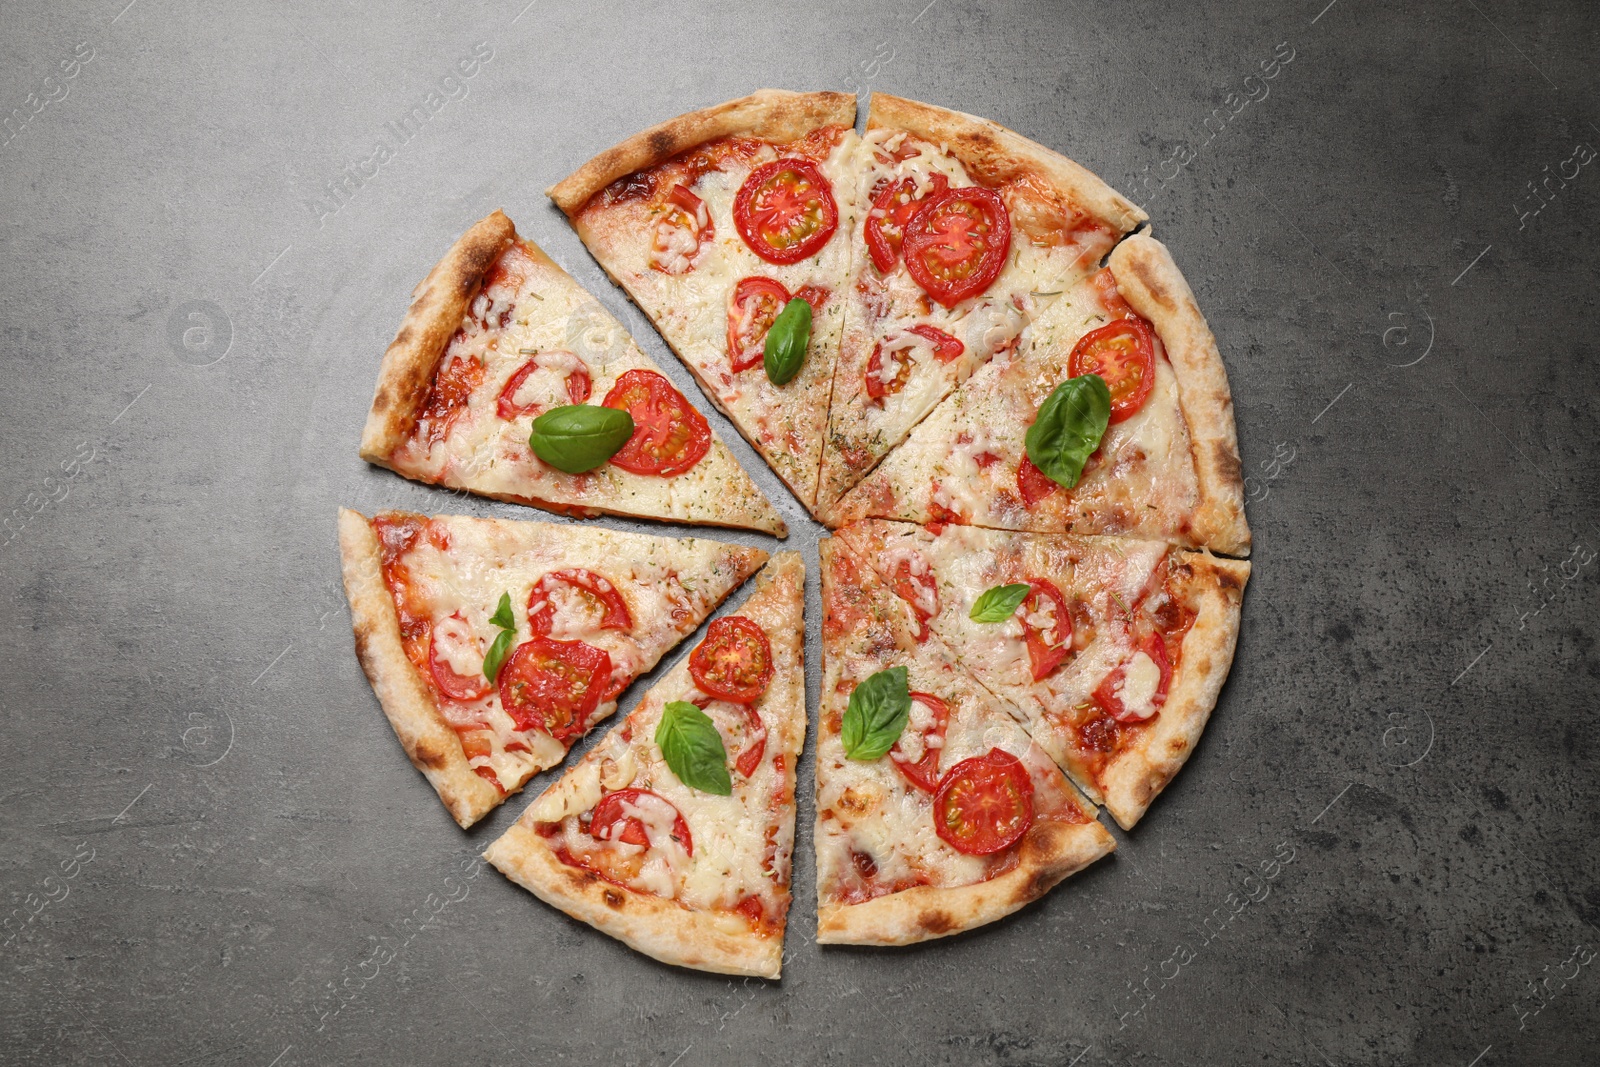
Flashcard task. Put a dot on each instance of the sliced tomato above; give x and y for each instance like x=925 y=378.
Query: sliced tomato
x=1050 y=644
x=815 y=295
x=785 y=210
x=594 y=589
x=1109 y=691
x=669 y=436
x=610 y=821
x=753 y=306
x=486 y=772
x=452 y=388
x=752 y=910
x=924 y=771
x=945 y=349
x=554 y=686
x=893 y=207
x=681 y=233
x=476 y=743
x=1105 y=284
x=985 y=804
x=734 y=662
x=957 y=244
x=919 y=590
x=750 y=758
x=578 y=383
x=1033 y=483
x=453 y=635
x=1123 y=354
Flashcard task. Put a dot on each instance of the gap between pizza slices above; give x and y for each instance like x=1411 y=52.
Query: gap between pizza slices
x=681 y=874
x=962 y=821
x=498 y=334
x=1114 y=657
x=564 y=617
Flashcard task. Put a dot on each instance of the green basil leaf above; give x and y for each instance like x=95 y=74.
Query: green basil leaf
x=876 y=715
x=502 y=616
x=693 y=748
x=785 y=350
x=1071 y=422
x=579 y=437
x=1000 y=603
x=498 y=653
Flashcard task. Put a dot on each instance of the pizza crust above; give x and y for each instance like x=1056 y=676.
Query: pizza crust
x=994 y=155
x=769 y=114
x=438 y=305
x=1139 y=774
x=429 y=741
x=662 y=929
x=1050 y=852
x=1150 y=282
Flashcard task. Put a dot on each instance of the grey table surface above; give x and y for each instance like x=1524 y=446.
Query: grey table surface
x=214 y=850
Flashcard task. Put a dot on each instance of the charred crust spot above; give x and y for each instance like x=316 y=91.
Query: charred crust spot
x=1227 y=461
x=936 y=922
x=662 y=143
x=612 y=898
x=475 y=264
x=381 y=402
x=1227 y=582
x=1178 y=745
x=1142 y=270
x=404 y=336
x=1038 y=884
x=430 y=755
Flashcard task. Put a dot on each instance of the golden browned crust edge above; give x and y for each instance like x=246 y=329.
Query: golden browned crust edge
x=929 y=912
x=1150 y=282
x=437 y=307
x=1137 y=776
x=995 y=154
x=659 y=928
x=428 y=740
x=770 y=114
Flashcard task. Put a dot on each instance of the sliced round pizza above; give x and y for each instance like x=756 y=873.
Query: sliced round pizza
x=730 y=227
x=674 y=833
x=968 y=233
x=1030 y=443
x=494 y=645
x=935 y=811
x=1114 y=649
x=507 y=379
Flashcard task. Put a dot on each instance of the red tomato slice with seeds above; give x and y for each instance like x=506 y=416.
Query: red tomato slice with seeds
x=681 y=233
x=450 y=638
x=554 y=686
x=957 y=244
x=578 y=384
x=669 y=436
x=611 y=822
x=752 y=308
x=1033 y=483
x=750 y=758
x=1109 y=691
x=785 y=210
x=985 y=804
x=893 y=207
x=1123 y=354
x=734 y=662
x=1049 y=644
x=924 y=771
x=447 y=398
x=594 y=589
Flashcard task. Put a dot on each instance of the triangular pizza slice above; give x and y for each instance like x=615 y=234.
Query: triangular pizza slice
x=496 y=336
x=1114 y=649
x=494 y=645
x=967 y=234
x=715 y=222
x=1167 y=465
x=674 y=833
x=935 y=811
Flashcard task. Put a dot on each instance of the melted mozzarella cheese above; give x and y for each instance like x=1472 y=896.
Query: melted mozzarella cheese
x=1140 y=680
